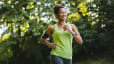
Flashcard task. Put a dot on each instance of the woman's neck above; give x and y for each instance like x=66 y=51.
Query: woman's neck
x=62 y=23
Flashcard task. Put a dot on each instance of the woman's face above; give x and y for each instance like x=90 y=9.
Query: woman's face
x=62 y=14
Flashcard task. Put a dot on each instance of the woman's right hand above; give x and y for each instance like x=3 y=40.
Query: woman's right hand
x=52 y=45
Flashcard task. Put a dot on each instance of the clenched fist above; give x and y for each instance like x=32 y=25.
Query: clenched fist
x=52 y=45
x=66 y=27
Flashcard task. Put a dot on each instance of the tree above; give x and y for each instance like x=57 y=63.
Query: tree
x=27 y=20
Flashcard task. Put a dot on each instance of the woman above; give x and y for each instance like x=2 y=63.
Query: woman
x=62 y=34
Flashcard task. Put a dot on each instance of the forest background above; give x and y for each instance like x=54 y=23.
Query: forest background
x=22 y=22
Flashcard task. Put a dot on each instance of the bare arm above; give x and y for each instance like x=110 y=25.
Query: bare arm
x=76 y=35
x=46 y=35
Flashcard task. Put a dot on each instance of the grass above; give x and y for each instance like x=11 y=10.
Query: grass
x=94 y=61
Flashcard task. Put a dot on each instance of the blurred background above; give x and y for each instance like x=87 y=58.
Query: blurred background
x=22 y=23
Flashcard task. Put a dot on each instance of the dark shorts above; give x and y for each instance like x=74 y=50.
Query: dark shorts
x=60 y=60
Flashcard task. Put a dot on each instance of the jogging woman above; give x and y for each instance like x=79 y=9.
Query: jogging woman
x=62 y=34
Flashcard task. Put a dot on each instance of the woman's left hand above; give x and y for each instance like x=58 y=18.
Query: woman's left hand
x=66 y=27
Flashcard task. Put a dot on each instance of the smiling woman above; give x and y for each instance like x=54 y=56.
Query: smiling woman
x=62 y=34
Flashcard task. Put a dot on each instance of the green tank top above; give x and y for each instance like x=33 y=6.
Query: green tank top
x=63 y=40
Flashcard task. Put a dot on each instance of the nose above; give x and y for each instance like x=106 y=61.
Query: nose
x=65 y=14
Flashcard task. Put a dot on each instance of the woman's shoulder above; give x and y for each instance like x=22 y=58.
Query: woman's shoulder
x=51 y=27
x=72 y=25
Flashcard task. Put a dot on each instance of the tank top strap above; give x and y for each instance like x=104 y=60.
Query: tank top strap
x=55 y=27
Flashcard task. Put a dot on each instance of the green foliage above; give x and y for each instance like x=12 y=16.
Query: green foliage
x=26 y=20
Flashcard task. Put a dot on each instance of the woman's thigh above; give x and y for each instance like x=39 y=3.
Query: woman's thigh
x=56 y=60
x=67 y=61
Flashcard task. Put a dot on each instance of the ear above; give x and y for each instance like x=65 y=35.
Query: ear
x=56 y=15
